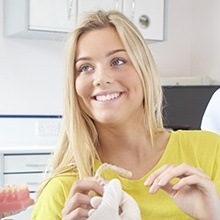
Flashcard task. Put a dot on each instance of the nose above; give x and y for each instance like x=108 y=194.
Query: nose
x=102 y=77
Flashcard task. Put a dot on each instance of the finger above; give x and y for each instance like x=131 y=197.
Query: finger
x=155 y=174
x=130 y=209
x=169 y=190
x=204 y=184
x=84 y=186
x=91 y=211
x=77 y=201
x=164 y=174
x=113 y=184
x=96 y=201
x=173 y=171
x=180 y=171
x=76 y=214
x=109 y=207
x=113 y=192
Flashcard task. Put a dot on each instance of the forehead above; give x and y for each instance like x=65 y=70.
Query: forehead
x=98 y=33
x=106 y=38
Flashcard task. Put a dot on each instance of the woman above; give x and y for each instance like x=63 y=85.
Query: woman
x=113 y=115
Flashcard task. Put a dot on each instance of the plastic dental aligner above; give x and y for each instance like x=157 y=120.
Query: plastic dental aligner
x=105 y=166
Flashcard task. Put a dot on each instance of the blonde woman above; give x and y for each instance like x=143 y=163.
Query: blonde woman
x=113 y=117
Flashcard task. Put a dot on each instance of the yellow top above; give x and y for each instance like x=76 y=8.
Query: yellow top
x=197 y=148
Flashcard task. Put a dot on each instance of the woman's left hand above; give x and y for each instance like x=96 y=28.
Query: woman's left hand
x=195 y=193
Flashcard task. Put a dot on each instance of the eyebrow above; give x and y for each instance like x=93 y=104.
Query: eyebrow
x=115 y=51
x=107 y=55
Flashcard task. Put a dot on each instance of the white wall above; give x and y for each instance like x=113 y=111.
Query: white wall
x=31 y=71
x=31 y=75
x=206 y=38
x=193 y=40
x=173 y=55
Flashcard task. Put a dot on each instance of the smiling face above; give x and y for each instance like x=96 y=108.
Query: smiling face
x=108 y=87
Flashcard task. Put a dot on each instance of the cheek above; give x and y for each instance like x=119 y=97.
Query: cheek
x=134 y=81
x=138 y=88
x=80 y=88
x=83 y=93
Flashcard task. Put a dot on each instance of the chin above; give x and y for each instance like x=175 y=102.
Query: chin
x=107 y=120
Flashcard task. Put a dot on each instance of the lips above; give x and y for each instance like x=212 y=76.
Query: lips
x=107 y=97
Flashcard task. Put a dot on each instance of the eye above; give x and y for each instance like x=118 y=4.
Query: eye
x=118 y=62
x=85 y=68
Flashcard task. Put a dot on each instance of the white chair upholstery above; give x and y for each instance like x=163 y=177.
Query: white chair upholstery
x=211 y=117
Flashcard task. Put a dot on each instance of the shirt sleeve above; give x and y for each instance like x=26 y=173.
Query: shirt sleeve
x=51 y=201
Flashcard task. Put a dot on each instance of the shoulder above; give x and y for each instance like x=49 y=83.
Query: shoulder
x=196 y=142
x=198 y=148
x=53 y=196
x=196 y=136
x=61 y=182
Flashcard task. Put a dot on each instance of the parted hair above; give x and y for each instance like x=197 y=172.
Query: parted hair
x=76 y=149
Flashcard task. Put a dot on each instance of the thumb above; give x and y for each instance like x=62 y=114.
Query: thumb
x=96 y=201
x=109 y=207
x=113 y=193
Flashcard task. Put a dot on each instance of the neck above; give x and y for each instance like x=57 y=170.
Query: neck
x=121 y=143
x=131 y=149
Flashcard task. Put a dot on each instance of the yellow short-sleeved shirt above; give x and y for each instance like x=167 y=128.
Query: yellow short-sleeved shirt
x=197 y=148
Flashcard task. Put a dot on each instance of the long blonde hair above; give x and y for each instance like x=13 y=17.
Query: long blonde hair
x=76 y=149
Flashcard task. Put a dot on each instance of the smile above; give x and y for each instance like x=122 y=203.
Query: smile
x=108 y=97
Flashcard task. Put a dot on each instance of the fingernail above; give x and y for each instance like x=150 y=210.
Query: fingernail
x=147 y=182
x=176 y=186
x=161 y=183
x=152 y=190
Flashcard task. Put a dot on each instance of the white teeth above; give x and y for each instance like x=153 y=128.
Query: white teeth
x=103 y=98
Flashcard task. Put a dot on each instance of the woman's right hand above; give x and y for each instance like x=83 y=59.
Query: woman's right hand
x=77 y=204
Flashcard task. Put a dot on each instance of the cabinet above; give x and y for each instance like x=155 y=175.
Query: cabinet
x=149 y=17
x=23 y=168
x=61 y=16
x=52 y=19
